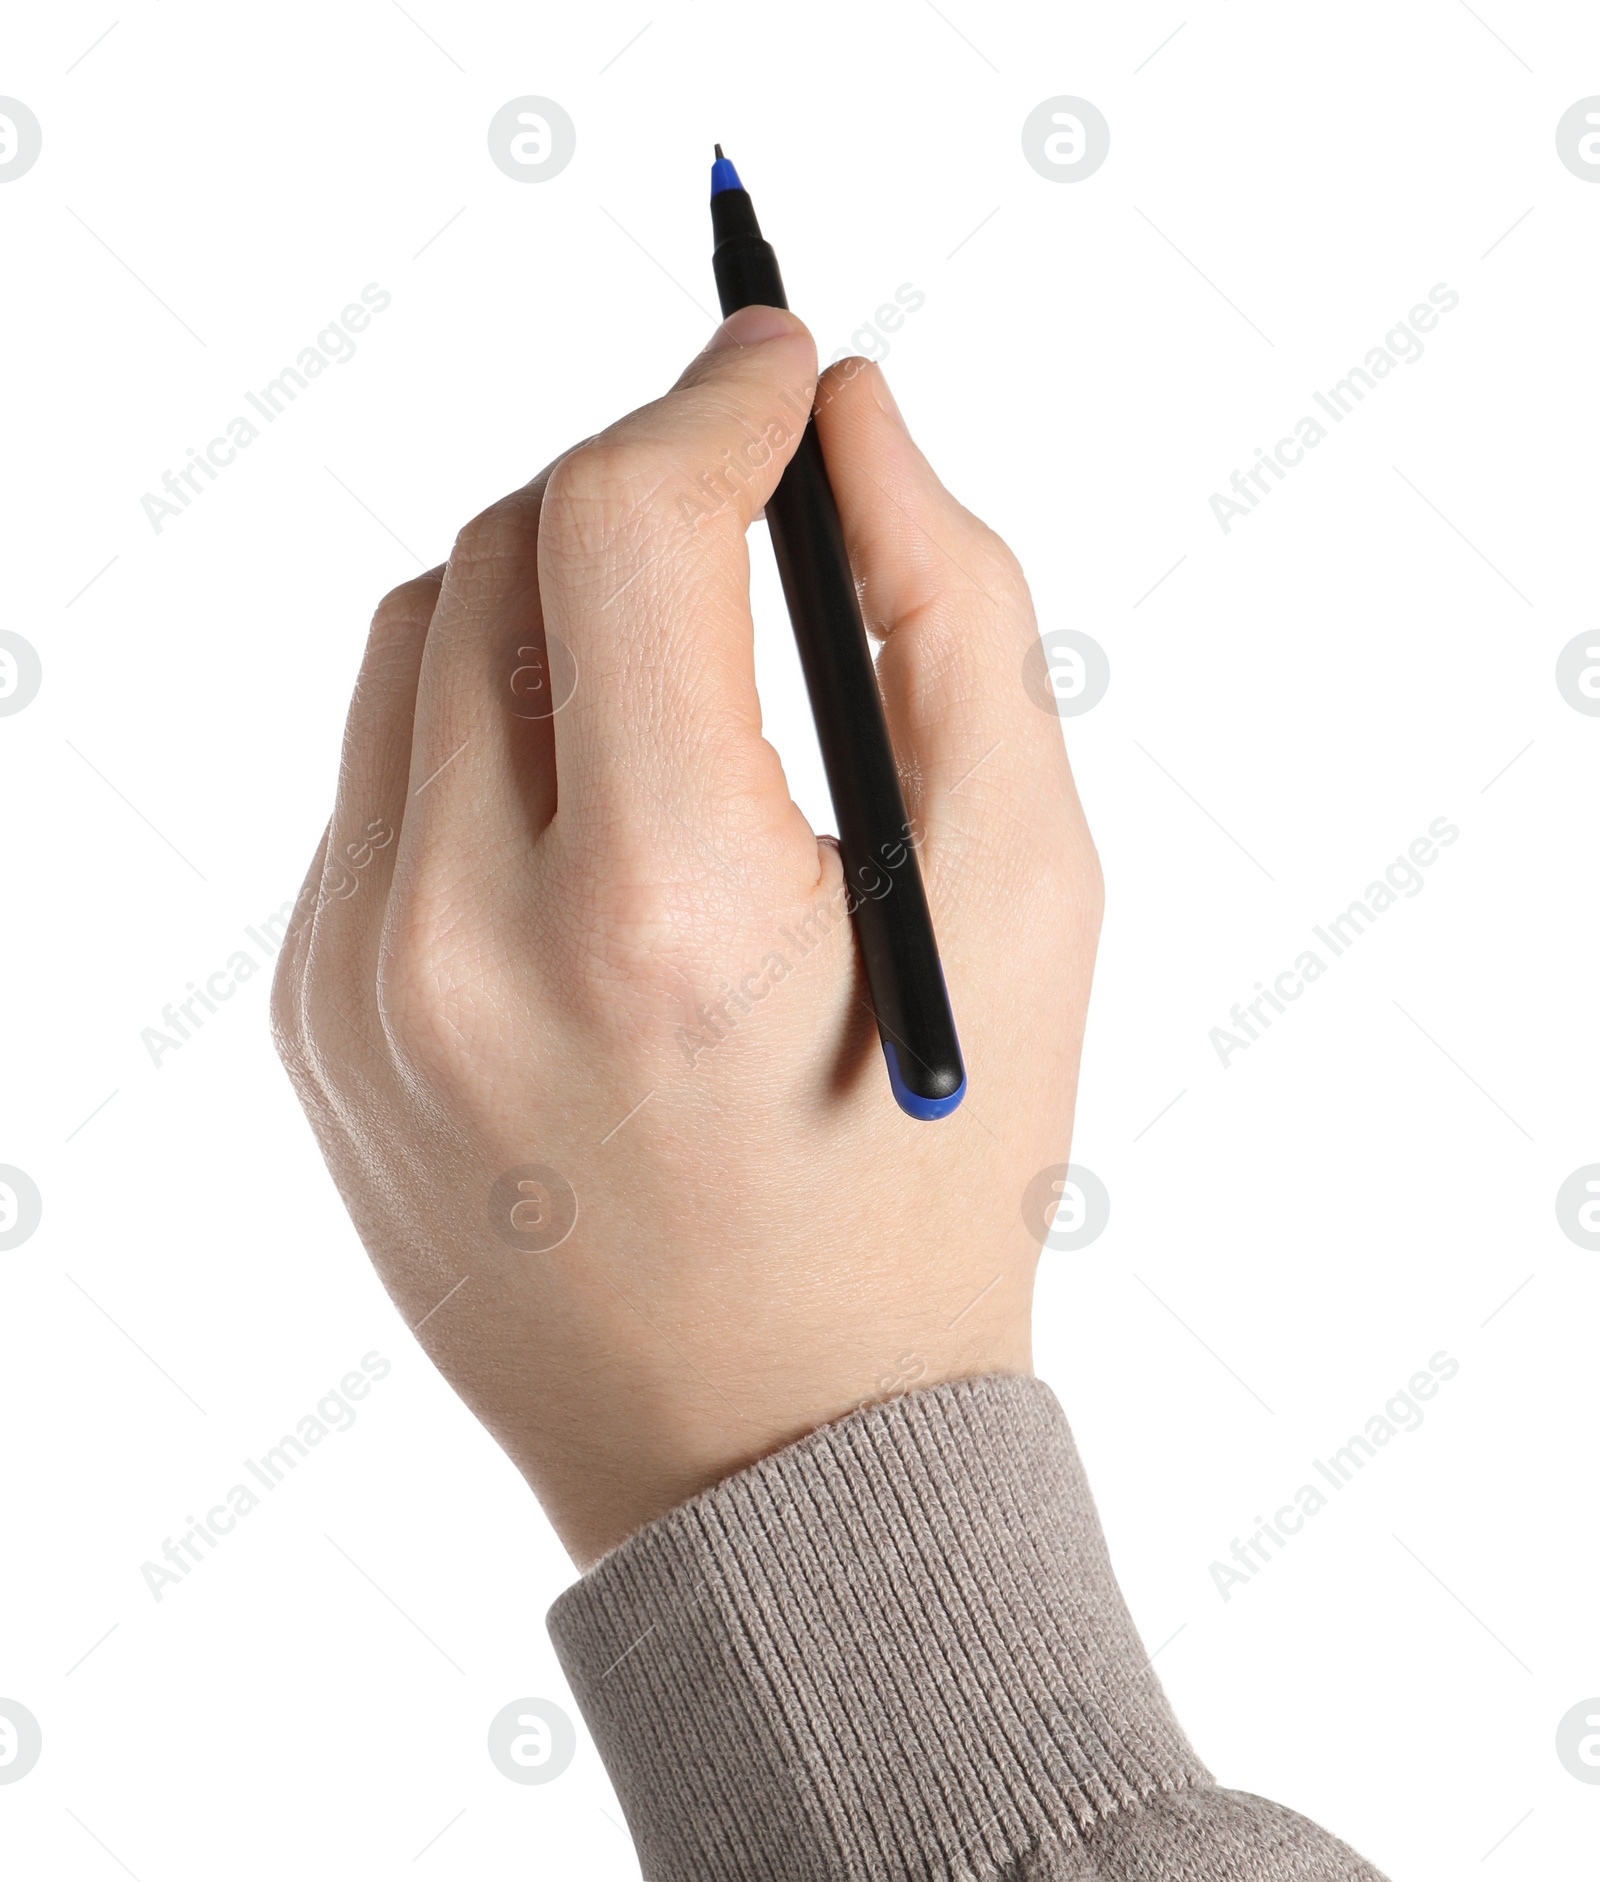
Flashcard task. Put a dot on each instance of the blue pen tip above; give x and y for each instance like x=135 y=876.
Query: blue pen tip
x=723 y=175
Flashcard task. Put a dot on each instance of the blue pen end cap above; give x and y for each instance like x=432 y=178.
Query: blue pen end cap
x=928 y=1103
x=724 y=176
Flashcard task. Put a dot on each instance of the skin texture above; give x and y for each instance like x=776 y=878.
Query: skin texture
x=518 y=938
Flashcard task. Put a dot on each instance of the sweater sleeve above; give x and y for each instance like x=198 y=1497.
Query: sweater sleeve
x=896 y=1649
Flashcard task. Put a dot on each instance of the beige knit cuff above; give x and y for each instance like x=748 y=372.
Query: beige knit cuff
x=896 y=1647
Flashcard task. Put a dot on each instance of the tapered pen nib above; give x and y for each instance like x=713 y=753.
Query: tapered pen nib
x=723 y=175
x=718 y=149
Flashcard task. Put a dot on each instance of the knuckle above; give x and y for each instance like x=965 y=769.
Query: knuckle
x=600 y=491
x=1070 y=886
x=999 y=560
x=504 y=532
x=288 y=1037
x=300 y=999
x=402 y=607
x=1092 y=887
x=291 y=1034
x=399 y=626
x=420 y=1002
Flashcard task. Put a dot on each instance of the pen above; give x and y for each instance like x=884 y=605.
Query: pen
x=887 y=902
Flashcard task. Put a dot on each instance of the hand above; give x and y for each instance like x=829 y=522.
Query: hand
x=605 y=941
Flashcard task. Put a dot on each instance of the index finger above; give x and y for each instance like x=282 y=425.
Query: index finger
x=644 y=574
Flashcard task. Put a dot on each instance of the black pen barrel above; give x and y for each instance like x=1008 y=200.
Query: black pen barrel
x=886 y=897
x=876 y=844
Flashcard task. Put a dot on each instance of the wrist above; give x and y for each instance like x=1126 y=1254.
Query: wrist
x=641 y=1440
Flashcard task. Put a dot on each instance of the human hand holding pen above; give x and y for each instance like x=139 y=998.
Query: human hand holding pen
x=606 y=942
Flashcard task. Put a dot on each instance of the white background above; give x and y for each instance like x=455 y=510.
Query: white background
x=1368 y=651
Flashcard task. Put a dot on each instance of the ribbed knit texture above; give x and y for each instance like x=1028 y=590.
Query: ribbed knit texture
x=896 y=1649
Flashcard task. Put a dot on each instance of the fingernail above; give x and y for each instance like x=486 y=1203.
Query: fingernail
x=749 y=326
x=886 y=404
